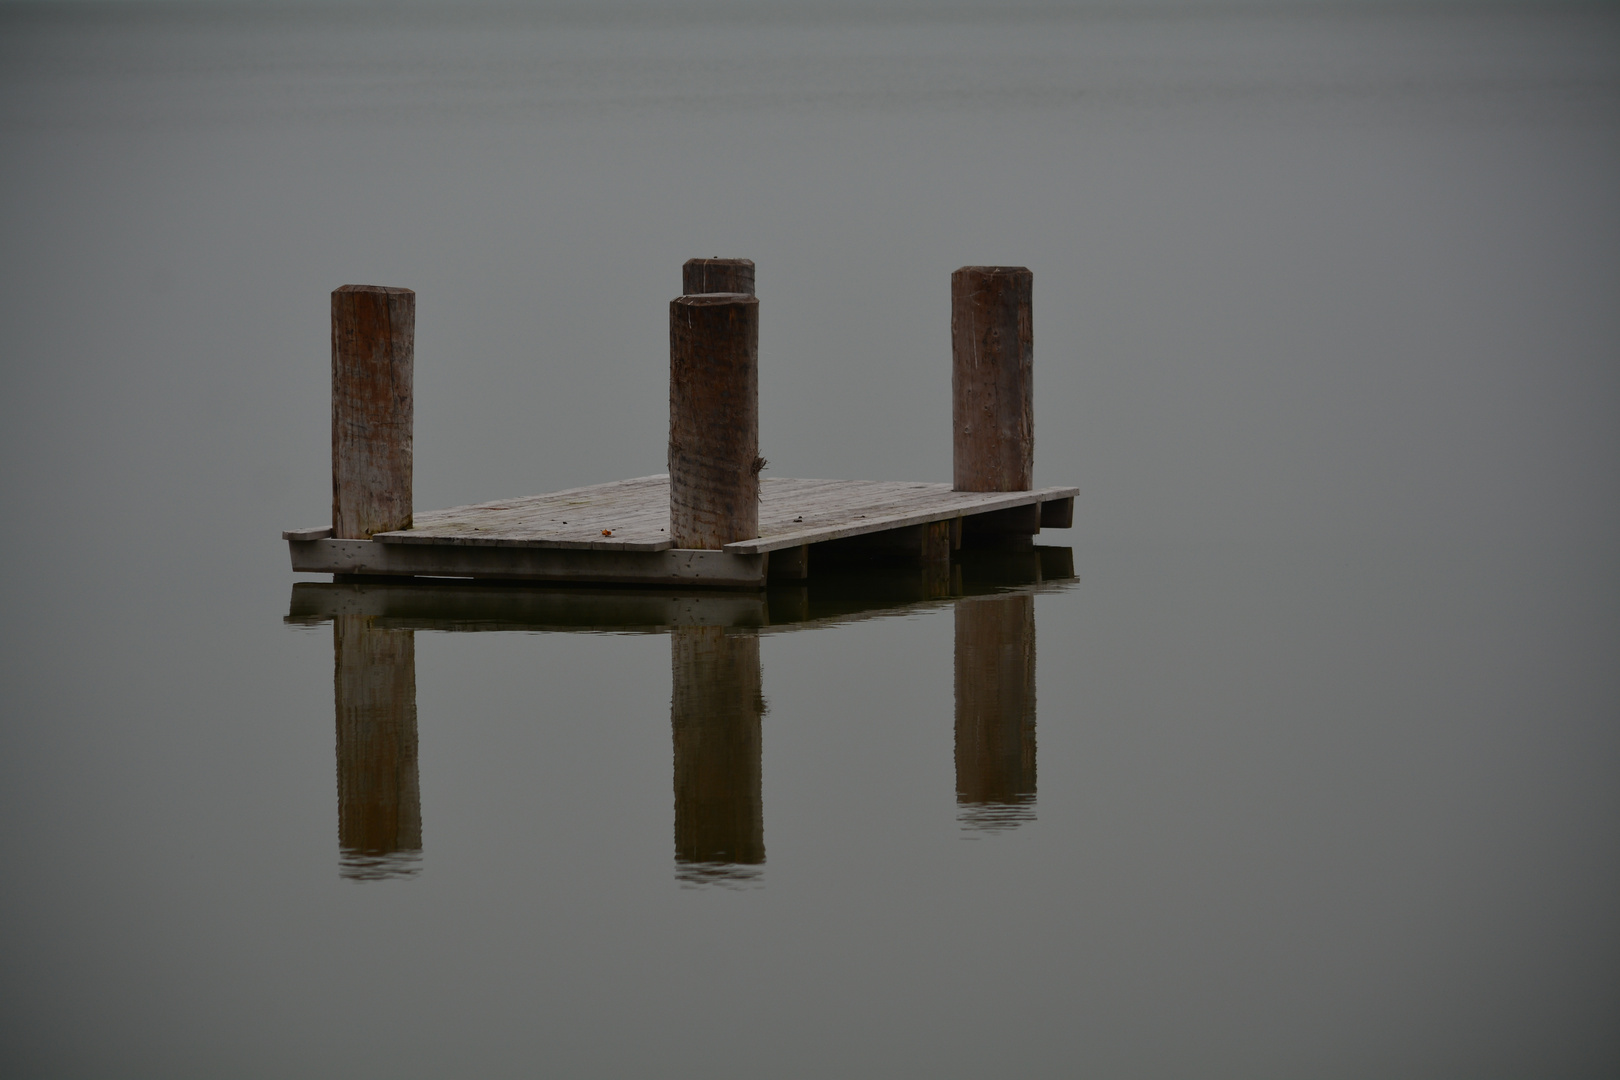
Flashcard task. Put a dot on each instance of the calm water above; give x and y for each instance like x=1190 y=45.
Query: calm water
x=1296 y=757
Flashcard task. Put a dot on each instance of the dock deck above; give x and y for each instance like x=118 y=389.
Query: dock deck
x=619 y=532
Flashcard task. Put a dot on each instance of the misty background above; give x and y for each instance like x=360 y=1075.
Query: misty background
x=1326 y=332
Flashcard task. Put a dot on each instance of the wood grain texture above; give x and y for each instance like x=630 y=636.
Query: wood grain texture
x=714 y=460
x=623 y=515
x=992 y=387
x=373 y=355
x=717 y=276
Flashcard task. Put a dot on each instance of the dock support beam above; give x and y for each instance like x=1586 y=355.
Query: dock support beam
x=992 y=395
x=717 y=275
x=714 y=460
x=373 y=353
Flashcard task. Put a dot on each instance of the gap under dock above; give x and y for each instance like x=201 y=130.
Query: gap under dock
x=618 y=533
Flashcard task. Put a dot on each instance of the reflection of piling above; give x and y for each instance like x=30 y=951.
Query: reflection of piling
x=995 y=709
x=715 y=710
x=379 y=801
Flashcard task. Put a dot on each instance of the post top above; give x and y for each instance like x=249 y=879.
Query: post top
x=390 y=290
x=715 y=299
x=719 y=262
x=994 y=270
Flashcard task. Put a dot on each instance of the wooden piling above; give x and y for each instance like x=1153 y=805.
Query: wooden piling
x=714 y=460
x=717 y=275
x=373 y=352
x=379 y=797
x=992 y=396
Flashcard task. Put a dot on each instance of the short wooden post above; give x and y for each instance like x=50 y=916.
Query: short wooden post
x=716 y=705
x=789 y=564
x=379 y=799
x=992 y=396
x=373 y=352
x=714 y=460
x=717 y=275
x=995 y=710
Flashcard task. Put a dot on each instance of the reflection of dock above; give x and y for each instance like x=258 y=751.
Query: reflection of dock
x=712 y=521
x=852 y=594
x=716 y=699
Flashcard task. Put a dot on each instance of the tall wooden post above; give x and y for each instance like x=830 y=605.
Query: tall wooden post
x=995 y=710
x=373 y=352
x=714 y=457
x=992 y=395
x=717 y=275
x=379 y=799
x=716 y=705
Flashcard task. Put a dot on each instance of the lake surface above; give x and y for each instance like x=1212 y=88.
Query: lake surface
x=1295 y=757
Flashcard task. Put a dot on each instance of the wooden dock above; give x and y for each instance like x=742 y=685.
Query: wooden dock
x=712 y=521
x=619 y=532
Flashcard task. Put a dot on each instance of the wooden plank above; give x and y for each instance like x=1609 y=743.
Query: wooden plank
x=715 y=569
x=319 y=533
x=942 y=504
x=633 y=512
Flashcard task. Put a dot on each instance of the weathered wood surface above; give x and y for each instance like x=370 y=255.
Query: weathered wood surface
x=714 y=460
x=373 y=353
x=634 y=515
x=717 y=276
x=625 y=515
x=992 y=387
